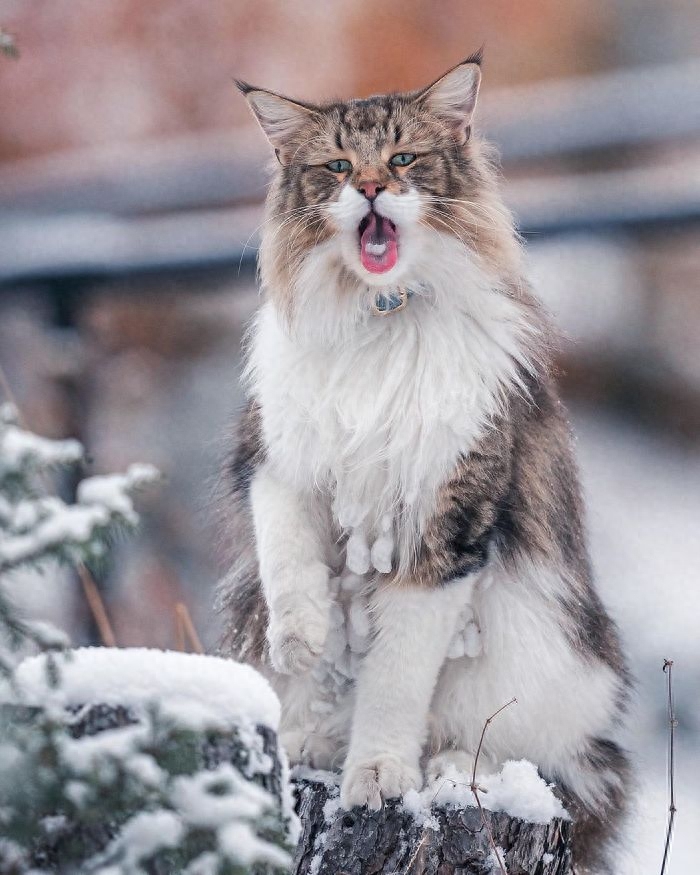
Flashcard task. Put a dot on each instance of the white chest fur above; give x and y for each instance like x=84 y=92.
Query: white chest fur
x=377 y=417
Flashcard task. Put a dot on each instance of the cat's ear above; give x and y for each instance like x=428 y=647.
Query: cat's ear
x=453 y=97
x=280 y=118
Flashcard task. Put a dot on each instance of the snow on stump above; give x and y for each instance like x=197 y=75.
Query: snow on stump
x=158 y=762
x=440 y=831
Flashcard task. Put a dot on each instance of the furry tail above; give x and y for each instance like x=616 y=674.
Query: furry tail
x=239 y=595
x=598 y=822
x=241 y=601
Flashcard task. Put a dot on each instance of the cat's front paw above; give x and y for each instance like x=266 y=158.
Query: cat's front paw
x=297 y=633
x=371 y=781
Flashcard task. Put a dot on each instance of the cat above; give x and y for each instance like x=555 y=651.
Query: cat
x=406 y=507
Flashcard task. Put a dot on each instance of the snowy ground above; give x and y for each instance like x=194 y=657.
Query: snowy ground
x=644 y=509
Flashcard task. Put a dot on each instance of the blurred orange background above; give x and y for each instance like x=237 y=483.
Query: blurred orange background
x=95 y=72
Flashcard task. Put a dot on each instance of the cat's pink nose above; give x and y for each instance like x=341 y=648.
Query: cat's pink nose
x=370 y=189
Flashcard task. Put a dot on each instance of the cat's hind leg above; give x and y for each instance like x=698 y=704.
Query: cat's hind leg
x=315 y=722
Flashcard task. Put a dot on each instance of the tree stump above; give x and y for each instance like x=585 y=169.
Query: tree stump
x=452 y=841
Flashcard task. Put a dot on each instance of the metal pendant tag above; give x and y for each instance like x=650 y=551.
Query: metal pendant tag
x=387 y=305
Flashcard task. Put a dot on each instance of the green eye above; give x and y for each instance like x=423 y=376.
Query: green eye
x=403 y=159
x=339 y=166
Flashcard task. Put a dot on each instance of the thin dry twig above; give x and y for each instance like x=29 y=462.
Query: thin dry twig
x=185 y=629
x=90 y=589
x=474 y=787
x=179 y=631
x=672 y=723
x=488 y=722
x=97 y=607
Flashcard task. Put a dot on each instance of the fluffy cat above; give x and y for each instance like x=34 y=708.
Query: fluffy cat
x=407 y=514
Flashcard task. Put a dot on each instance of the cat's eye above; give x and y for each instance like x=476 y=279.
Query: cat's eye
x=403 y=159
x=340 y=165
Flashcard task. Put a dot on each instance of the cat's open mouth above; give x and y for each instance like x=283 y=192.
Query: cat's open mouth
x=378 y=244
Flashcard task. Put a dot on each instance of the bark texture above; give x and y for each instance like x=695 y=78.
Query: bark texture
x=390 y=841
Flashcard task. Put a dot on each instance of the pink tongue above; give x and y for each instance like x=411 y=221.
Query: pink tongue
x=378 y=233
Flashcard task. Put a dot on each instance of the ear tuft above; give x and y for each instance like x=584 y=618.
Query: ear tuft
x=476 y=57
x=242 y=86
x=453 y=97
x=280 y=118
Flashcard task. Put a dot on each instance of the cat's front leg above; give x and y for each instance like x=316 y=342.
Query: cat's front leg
x=293 y=573
x=415 y=620
x=413 y=628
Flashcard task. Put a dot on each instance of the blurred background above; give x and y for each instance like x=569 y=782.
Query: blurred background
x=131 y=181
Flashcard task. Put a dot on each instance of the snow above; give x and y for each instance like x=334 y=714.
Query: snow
x=148 y=832
x=205 y=864
x=48 y=635
x=112 y=490
x=331 y=808
x=412 y=802
x=330 y=780
x=67 y=524
x=76 y=792
x=419 y=807
x=241 y=844
x=199 y=800
x=18 y=448
x=195 y=690
x=100 y=754
x=12 y=856
x=518 y=790
x=96 y=751
x=496 y=860
x=35 y=528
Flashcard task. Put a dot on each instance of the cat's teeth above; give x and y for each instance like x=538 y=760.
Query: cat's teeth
x=376 y=248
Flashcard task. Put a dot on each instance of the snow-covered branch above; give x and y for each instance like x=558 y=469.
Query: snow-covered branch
x=159 y=762
x=35 y=526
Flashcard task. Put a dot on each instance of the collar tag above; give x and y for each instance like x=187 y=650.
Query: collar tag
x=392 y=302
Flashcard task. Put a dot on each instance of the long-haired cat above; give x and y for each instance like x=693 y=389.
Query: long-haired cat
x=407 y=510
